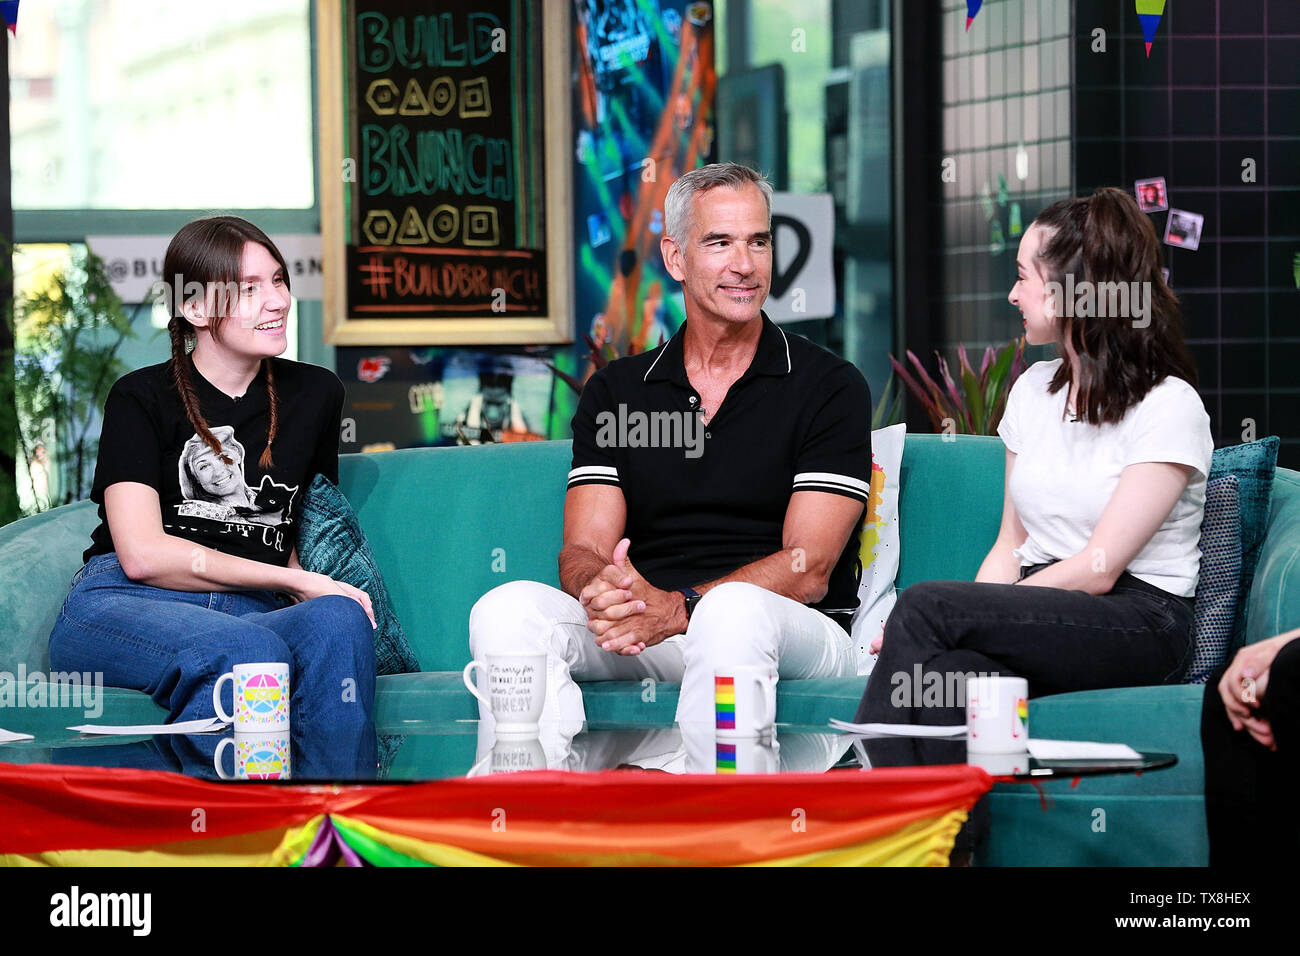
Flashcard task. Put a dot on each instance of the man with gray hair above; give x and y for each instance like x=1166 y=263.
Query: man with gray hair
x=683 y=558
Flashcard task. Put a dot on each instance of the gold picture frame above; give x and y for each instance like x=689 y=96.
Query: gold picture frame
x=341 y=325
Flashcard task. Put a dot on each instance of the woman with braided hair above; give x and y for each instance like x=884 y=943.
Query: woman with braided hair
x=193 y=567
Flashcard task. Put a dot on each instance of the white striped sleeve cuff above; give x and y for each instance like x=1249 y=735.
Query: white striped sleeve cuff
x=593 y=475
x=832 y=483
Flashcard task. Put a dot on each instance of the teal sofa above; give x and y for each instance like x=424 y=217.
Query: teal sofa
x=448 y=524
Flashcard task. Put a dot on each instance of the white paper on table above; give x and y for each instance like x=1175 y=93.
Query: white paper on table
x=1080 y=750
x=948 y=732
x=9 y=736
x=206 y=725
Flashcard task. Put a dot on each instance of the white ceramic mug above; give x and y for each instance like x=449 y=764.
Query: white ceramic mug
x=1000 y=765
x=751 y=755
x=997 y=715
x=261 y=697
x=516 y=690
x=511 y=755
x=744 y=701
x=257 y=756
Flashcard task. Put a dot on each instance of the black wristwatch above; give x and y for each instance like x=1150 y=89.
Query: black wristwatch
x=692 y=598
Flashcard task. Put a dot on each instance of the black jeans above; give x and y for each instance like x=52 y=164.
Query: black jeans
x=1058 y=640
x=1250 y=791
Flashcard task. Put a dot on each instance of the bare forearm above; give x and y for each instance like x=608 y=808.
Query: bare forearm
x=179 y=565
x=578 y=565
x=791 y=573
x=1001 y=566
x=1075 y=573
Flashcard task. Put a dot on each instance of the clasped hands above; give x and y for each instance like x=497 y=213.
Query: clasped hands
x=1243 y=684
x=627 y=613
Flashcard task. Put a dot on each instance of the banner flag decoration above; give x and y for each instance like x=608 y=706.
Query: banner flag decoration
x=1150 y=12
x=9 y=10
x=96 y=816
x=972 y=8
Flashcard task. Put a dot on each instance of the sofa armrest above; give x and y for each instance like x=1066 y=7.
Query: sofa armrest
x=1273 y=604
x=39 y=556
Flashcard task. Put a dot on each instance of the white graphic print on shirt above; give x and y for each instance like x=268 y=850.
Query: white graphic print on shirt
x=217 y=491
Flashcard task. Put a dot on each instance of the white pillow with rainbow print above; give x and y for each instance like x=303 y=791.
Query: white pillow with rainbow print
x=879 y=544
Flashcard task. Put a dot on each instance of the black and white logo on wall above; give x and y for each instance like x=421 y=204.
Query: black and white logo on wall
x=803 y=275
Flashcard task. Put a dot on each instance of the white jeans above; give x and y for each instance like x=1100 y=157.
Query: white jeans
x=735 y=624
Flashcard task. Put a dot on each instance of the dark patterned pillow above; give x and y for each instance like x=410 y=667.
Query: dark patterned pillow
x=1254 y=464
x=330 y=541
x=1219 y=587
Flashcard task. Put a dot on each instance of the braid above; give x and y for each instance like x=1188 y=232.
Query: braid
x=185 y=386
x=265 y=461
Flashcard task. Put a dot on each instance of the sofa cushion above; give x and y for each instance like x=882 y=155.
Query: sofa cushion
x=1254 y=464
x=1273 y=605
x=1219 y=586
x=1149 y=819
x=331 y=542
x=47 y=548
x=449 y=524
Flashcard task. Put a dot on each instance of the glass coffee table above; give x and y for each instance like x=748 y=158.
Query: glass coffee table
x=441 y=750
x=452 y=793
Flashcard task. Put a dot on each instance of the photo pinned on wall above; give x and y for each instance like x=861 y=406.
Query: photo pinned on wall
x=1152 y=194
x=1183 y=229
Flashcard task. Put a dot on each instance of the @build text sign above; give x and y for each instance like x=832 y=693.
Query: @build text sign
x=135 y=263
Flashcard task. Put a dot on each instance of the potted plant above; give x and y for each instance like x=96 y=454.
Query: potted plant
x=976 y=407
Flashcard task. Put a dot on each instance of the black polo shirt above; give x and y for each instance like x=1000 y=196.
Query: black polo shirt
x=703 y=501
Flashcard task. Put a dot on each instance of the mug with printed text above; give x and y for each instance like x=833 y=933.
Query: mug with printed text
x=511 y=754
x=516 y=690
x=261 y=697
x=745 y=701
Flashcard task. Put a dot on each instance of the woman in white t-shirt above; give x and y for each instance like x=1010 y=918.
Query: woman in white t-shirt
x=1091 y=579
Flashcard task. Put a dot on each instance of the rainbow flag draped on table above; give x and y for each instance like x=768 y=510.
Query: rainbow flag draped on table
x=93 y=816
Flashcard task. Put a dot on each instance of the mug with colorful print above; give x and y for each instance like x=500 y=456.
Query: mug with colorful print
x=257 y=756
x=744 y=700
x=261 y=697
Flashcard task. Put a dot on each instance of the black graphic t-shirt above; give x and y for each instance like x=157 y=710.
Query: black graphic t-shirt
x=234 y=508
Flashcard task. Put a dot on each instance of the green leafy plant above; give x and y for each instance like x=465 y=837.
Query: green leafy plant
x=888 y=410
x=976 y=407
x=66 y=336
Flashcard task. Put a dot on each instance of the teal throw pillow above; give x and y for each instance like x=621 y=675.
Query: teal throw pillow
x=1254 y=464
x=330 y=541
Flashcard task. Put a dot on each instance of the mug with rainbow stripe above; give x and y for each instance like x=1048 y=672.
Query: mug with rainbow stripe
x=745 y=701
x=261 y=697
x=997 y=714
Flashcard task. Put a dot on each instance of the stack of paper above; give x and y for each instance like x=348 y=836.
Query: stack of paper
x=901 y=730
x=204 y=726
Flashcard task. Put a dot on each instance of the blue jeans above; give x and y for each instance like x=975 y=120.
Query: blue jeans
x=173 y=645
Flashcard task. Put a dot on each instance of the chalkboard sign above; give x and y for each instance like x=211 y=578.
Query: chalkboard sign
x=445 y=193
